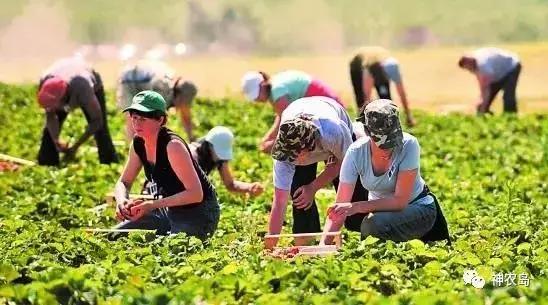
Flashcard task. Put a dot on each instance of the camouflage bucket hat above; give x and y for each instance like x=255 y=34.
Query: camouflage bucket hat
x=382 y=124
x=295 y=136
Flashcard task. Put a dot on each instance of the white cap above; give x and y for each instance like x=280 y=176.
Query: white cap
x=221 y=139
x=251 y=84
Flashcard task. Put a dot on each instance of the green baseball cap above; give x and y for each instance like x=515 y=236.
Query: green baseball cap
x=148 y=101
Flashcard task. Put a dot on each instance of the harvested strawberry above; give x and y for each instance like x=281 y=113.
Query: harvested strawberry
x=6 y=166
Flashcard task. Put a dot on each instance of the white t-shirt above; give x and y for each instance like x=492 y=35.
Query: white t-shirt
x=496 y=63
x=71 y=67
x=335 y=129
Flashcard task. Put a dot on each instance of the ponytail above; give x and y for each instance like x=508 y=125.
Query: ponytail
x=356 y=77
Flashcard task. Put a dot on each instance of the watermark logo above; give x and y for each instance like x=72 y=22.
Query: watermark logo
x=471 y=277
x=510 y=279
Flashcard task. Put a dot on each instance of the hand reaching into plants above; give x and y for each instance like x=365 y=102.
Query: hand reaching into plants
x=62 y=146
x=70 y=153
x=256 y=189
x=481 y=108
x=270 y=243
x=410 y=121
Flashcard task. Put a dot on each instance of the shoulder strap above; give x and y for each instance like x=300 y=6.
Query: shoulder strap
x=139 y=148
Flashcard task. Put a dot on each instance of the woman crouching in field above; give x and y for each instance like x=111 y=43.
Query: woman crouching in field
x=214 y=151
x=185 y=200
x=281 y=90
x=387 y=162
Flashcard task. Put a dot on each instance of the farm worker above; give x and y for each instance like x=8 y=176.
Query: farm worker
x=400 y=206
x=281 y=90
x=372 y=67
x=495 y=69
x=68 y=84
x=185 y=200
x=312 y=129
x=156 y=76
x=214 y=151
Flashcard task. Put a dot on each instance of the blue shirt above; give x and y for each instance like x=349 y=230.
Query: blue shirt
x=357 y=162
x=391 y=68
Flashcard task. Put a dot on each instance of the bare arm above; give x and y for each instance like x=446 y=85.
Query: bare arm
x=483 y=82
x=337 y=143
x=181 y=162
x=405 y=103
x=330 y=172
x=334 y=224
x=279 y=107
x=403 y=96
x=368 y=84
x=124 y=183
x=338 y=146
x=273 y=131
x=277 y=213
x=95 y=120
x=186 y=118
x=238 y=186
x=52 y=125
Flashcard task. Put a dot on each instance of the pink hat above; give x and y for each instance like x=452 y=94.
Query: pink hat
x=51 y=92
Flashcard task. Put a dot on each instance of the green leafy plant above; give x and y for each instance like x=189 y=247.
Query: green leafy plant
x=490 y=175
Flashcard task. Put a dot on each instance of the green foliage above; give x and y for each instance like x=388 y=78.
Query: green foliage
x=489 y=173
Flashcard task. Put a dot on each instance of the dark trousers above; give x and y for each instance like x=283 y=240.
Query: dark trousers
x=308 y=221
x=48 y=154
x=508 y=85
x=417 y=221
x=200 y=221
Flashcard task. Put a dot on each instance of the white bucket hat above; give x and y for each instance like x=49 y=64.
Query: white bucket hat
x=221 y=138
x=251 y=84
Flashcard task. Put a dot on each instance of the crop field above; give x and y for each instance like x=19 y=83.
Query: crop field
x=490 y=175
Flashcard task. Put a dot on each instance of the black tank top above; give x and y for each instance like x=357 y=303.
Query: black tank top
x=162 y=173
x=203 y=156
